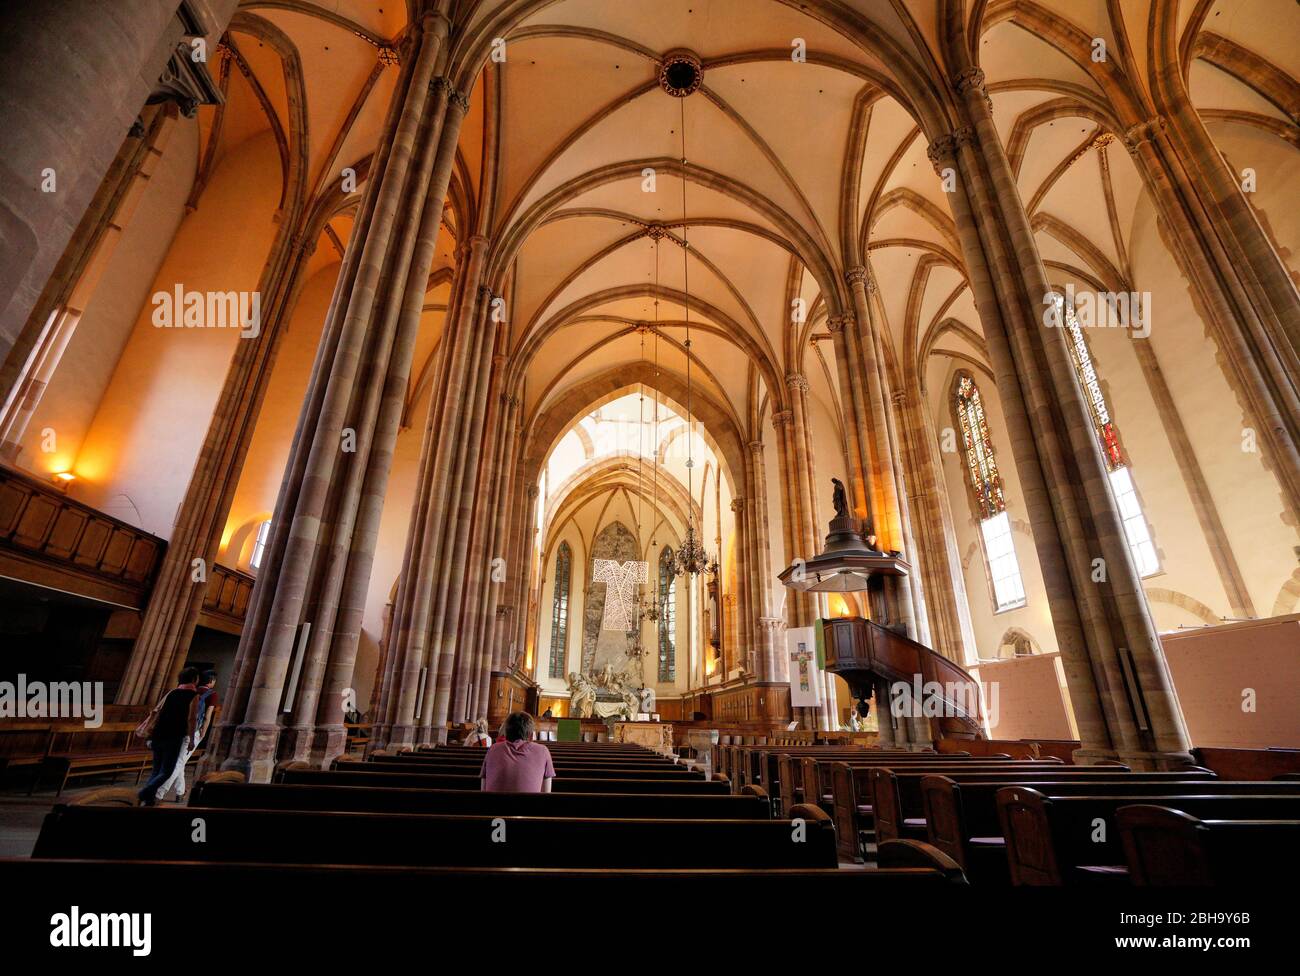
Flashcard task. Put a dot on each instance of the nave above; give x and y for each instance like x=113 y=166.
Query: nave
x=861 y=438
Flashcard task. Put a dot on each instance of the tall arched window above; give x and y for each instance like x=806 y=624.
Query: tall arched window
x=1121 y=478
x=667 y=617
x=986 y=489
x=560 y=610
x=259 y=545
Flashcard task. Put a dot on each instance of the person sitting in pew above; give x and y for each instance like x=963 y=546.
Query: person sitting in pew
x=517 y=764
x=478 y=735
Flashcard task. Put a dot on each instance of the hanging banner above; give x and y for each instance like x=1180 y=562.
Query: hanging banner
x=805 y=675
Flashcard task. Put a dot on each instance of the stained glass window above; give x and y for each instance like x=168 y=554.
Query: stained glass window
x=667 y=617
x=981 y=463
x=560 y=610
x=1121 y=479
x=986 y=489
x=1091 y=385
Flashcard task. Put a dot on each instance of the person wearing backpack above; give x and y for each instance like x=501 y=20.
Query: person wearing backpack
x=209 y=704
x=175 y=722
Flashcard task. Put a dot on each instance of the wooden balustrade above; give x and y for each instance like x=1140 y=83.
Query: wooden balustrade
x=51 y=540
x=226 y=599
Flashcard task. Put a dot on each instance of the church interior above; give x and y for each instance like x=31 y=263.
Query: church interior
x=863 y=435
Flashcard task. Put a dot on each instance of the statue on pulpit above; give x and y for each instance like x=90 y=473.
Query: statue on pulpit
x=840 y=499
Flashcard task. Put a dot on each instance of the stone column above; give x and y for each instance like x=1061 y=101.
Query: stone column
x=1254 y=326
x=338 y=462
x=952 y=633
x=744 y=585
x=73 y=79
x=1118 y=680
x=890 y=523
x=80 y=270
x=764 y=664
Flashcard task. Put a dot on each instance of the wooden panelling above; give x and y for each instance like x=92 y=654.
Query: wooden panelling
x=51 y=540
x=225 y=601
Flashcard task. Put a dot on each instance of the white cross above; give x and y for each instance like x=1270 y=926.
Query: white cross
x=620 y=581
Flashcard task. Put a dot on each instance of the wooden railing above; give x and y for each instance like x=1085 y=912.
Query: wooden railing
x=226 y=599
x=52 y=540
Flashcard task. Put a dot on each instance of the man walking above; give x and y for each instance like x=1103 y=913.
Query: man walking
x=176 y=723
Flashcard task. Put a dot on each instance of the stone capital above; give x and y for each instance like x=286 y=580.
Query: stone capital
x=186 y=82
x=972 y=79
x=857 y=274
x=796 y=381
x=1146 y=131
x=782 y=418
x=756 y=447
x=738 y=504
x=835 y=323
x=943 y=150
x=531 y=491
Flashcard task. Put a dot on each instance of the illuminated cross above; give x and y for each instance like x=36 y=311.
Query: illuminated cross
x=620 y=581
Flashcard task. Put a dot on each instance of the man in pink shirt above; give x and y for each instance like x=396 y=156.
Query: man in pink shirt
x=516 y=764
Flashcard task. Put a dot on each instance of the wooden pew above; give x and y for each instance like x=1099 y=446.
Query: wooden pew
x=371 y=775
x=562 y=772
x=272 y=886
x=1053 y=840
x=813 y=781
x=1249 y=763
x=1167 y=847
x=961 y=815
x=294 y=837
x=758 y=764
x=896 y=807
x=559 y=762
x=355 y=799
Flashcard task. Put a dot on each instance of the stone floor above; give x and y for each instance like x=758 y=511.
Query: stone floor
x=21 y=815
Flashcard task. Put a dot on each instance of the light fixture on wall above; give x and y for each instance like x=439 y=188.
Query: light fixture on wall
x=62 y=479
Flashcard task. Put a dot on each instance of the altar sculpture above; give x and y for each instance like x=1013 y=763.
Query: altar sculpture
x=612 y=693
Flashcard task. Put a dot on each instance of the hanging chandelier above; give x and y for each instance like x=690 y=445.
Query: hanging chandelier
x=691 y=557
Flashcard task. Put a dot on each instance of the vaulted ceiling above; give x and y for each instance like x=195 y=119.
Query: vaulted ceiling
x=805 y=155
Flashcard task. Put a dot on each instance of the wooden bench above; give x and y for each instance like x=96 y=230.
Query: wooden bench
x=563 y=772
x=1166 y=847
x=295 y=837
x=896 y=807
x=1249 y=763
x=961 y=817
x=758 y=764
x=1053 y=840
x=559 y=762
x=63 y=768
x=371 y=775
x=648 y=806
x=272 y=887
x=810 y=778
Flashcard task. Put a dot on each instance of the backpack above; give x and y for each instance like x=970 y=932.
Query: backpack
x=204 y=695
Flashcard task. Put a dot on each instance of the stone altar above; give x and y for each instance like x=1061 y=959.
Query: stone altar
x=653 y=735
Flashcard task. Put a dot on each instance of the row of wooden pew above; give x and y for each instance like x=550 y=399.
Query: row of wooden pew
x=1037 y=821
x=616 y=811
